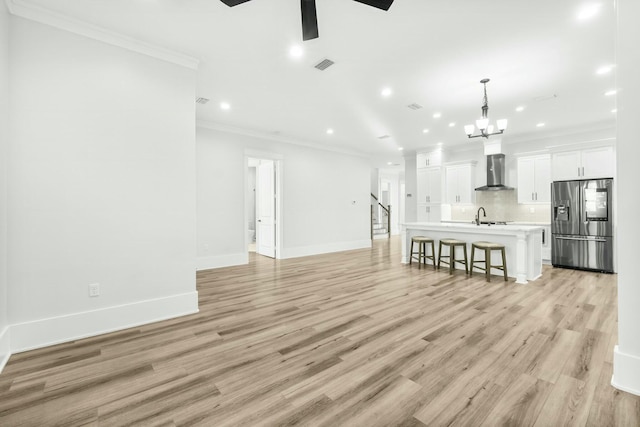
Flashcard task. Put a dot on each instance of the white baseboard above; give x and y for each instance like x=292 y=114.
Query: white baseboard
x=209 y=262
x=56 y=330
x=324 y=249
x=5 y=347
x=626 y=372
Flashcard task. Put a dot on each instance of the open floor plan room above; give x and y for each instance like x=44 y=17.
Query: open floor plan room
x=347 y=339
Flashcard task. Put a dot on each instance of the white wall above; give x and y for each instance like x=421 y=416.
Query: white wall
x=411 y=188
x=101 y=187
x=318 y=191
x=4 y=142
x=626 y=364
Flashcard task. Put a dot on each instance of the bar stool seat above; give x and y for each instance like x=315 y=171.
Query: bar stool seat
x=487 y=247
x=450 y=259
x=422 y=257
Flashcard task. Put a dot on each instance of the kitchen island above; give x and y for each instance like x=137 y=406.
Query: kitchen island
x=523 y=243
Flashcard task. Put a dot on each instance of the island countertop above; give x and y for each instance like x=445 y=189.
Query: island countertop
x=483 y=228
x=523 y=243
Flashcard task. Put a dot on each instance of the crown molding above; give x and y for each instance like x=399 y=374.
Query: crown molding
x=23 y=9
x=205 y=124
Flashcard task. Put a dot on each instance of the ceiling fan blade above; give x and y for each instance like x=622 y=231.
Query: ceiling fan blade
x=232 y=3
x=380 y=4
x=309 y=19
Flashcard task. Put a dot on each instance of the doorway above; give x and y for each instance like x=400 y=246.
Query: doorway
x=262 y=207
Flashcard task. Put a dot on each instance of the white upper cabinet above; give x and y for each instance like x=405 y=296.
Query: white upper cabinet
x=583 y=164
x=429 y=185
x=430 y=159
x=534 y=179
x=598 y=163
x=460 y=180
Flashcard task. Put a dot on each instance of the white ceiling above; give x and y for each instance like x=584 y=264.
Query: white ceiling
x=430 y=52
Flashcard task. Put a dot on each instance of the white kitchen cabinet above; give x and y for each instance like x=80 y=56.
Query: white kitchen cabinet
x=429 y=212
x=460 y=180
x=429 y=186
x=583 y=164
x=429 y=159
x=534 y=179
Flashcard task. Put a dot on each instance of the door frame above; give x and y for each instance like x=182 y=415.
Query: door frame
x=279 y=223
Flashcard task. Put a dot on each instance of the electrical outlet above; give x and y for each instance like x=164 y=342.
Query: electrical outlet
x=206 y=247
x=532 y=210
x=464 y=210
x=94 y=290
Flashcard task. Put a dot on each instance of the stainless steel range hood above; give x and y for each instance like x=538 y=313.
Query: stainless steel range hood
x=495 y=174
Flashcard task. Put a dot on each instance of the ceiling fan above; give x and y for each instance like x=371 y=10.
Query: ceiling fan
x=309 y=17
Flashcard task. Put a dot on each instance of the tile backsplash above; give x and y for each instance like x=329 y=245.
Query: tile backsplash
x=502 y=206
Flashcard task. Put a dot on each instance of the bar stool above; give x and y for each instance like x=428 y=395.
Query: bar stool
x=450 y=259
x=422 y=250
x=487 y=247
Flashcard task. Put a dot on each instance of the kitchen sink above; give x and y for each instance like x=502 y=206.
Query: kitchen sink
x=491 y=222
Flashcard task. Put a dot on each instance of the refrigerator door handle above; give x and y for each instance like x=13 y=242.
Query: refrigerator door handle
x=582 y=238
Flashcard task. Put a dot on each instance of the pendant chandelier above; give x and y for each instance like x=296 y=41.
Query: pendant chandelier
x=485 y=129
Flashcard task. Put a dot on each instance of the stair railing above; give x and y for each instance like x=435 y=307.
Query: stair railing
x=387 y=212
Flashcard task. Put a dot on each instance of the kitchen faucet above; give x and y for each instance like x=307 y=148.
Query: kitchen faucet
x=478 y=215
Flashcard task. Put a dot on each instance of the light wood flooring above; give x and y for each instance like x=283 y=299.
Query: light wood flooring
x=346 y=339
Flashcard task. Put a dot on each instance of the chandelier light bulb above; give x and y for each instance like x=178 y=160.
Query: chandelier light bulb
x=482 y=123
x=468 y=129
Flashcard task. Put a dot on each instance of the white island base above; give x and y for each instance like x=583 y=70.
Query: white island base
x=523 y=244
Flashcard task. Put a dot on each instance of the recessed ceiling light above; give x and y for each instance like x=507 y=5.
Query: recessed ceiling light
x=329 y=131
x=615 y=110
x=225 y=106
x=610 y=92
x=296 y=51
x=588 y=11
x=425 y=130
x=437 y=115
x=520 y=108
x=400 y=148
x=386 y=92
x=605 y=69
x=452 y=124
x=540 y=125
x=440 y=143
x=389 y=163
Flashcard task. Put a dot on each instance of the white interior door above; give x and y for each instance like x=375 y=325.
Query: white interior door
x=266 y=209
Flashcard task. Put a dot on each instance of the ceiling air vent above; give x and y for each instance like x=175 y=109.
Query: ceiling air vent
x=324 y=64
x=414 y=106
x=201 y=100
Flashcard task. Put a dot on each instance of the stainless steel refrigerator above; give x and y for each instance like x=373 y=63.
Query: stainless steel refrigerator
x=582 y=224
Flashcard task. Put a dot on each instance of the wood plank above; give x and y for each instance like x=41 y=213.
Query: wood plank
x=352 y=338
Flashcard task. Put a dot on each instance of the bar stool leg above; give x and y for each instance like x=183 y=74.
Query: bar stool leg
x=420 y=246
x=439 y=253
x=466 y=260
x=487 y=265
x=433 y=254
x=452 y=258
x=504 y=264
x=473 y=250
x=411 y=253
